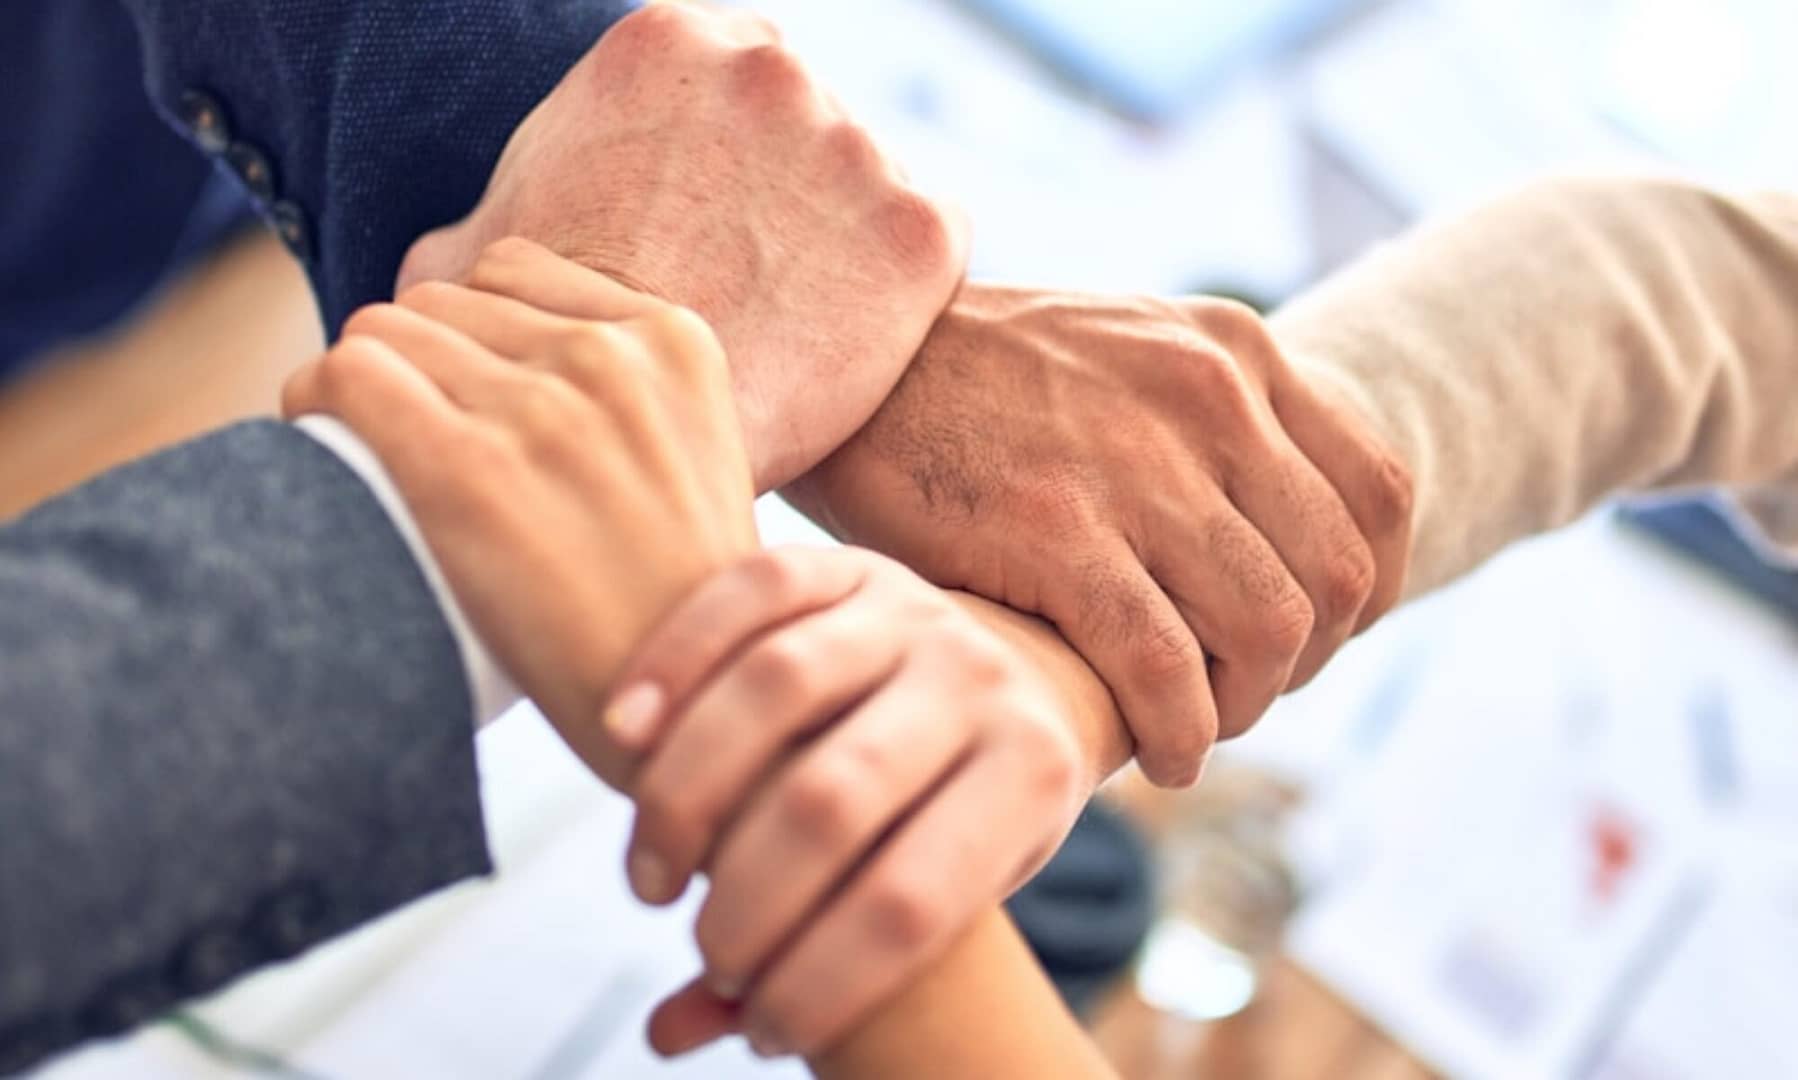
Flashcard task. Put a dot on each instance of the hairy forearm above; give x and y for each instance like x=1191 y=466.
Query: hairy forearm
x=1555 y=347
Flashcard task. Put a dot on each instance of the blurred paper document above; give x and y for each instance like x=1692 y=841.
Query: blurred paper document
x=1725 y=1002
x=1496 y=936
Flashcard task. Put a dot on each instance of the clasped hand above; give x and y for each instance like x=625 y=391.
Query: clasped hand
x=859 y=764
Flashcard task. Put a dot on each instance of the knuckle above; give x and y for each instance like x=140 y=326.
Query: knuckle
x=1167 y=655
x=771 y=73
x=902 y=915
x=604 y=367
x=1218 y=378
x=372 y=320
x=1392 y=494
x=684 y=335
x=429 y=296
x=780 y=670
x=778 y=575
x=1110 y=605
x=852 y=149
x=1286 y=626
x=501 y=262
x=1234 y=319
x=917 y=231
x=591 y=349
x=1240 y=328
x=820 y=802
x=1348 y=579
x=547 y=417
x=347 y=364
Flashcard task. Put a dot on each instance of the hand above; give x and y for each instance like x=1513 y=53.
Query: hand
x=1149 y=476
x=573 y=478
x=863 y=767
x=692 y=157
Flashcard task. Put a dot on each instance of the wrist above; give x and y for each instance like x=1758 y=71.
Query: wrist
x=1097 y=726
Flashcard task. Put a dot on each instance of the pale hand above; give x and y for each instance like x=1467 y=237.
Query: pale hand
x=861 y=766
x=574 y=477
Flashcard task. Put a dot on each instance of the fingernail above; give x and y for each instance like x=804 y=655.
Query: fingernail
x=764 y=1042
x=650 y=877
x=633 y=714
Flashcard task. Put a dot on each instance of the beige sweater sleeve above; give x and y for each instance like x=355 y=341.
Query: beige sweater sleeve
x=1580 y=338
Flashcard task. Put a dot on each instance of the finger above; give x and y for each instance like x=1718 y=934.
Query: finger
x=462 y=369
x=1291 y=503
x=690 y=1018
x=510 y=329
x=1118 y=617
x=779 y=688
x=1364 y=474
x=597 y=358
x=397 y=410
x=925 y=884
x=822 y=816
x=533 y=275
x=301 y=393
x=1233 y=589
x=724 y=613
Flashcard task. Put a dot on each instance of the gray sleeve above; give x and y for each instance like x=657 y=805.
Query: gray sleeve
x=232 y=724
